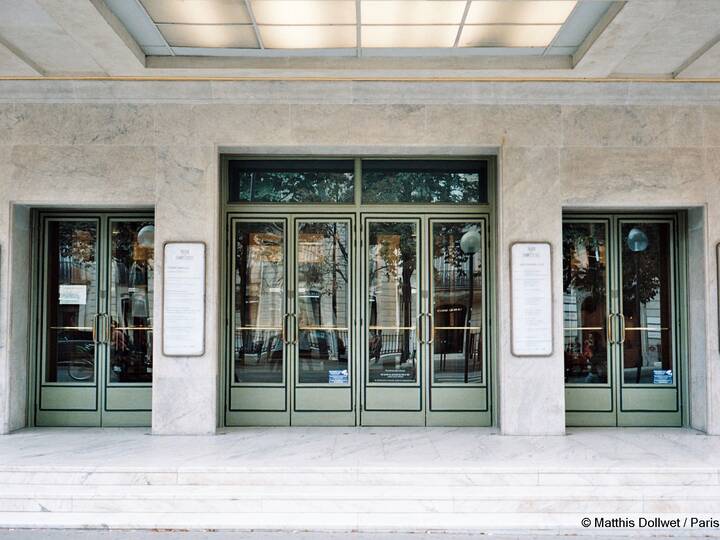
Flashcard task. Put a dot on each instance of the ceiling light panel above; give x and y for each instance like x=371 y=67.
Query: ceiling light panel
x=411 y=11
x=211 y=35
x=409 y=36
x=198 y=11
x=507 y=35
x=519 y=11
x=308 y=37
x=304 y=12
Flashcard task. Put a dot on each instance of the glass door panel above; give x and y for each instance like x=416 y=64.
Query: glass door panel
x=585 y=306
x=320 y=321
x=259 y=302
x=456 y=315
x=71 y=301
x=323 y=302
x=457 y=302
x=392 y=258
x=646 y=303
x=131 y=301
x=257 y=392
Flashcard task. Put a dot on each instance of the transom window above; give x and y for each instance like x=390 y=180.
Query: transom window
x=378 y=181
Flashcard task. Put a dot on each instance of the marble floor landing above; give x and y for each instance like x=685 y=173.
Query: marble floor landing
x=596 y=449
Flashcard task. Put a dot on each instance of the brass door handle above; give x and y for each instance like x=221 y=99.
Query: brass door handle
x=284 y=331
x=431 y=328
x=622 y=333
x=419 y=326
x=609 y=330
x=95 y=327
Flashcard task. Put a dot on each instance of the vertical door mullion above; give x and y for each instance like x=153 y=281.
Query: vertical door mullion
x=289 y=320
x=617 y=309
x=425 y=307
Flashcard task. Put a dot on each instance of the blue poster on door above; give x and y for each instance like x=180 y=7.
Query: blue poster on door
x=338 y=376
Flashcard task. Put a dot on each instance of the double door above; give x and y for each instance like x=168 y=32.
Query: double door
x=95 y=320
x=622 y=320
x=358 y=318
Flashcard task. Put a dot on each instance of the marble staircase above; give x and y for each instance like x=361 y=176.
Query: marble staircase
x=543 y=483
x=345 y=498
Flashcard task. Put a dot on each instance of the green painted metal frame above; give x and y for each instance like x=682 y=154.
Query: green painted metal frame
x=616 y=416
x=357 y=210
x=101 y=415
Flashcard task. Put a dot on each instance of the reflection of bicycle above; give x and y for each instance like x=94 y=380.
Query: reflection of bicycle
x=80 y=369
x=80 y=363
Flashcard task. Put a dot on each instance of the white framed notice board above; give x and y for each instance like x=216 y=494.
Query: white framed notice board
x=183 y=299
x=531 y=299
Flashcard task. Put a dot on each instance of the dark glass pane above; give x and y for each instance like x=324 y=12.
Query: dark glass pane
x=457 y=303
x=423 y=181
x=71 y=301
x=392 y=302
x=259 y=305
x=323 y=303
x=284 y=181
x=646 y=287
x=131 y=301
x=585 y=303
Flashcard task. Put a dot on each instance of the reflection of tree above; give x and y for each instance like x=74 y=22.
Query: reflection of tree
x=641 y=280
x=402 y=256
x=577 y=275
x=265 y=242
x=321 y=186
x=640 y=270
x=420 y=186
x=77 y=240
x=451 y=253
x=315 y=273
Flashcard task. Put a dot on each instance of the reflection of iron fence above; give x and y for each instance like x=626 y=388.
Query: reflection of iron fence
x=384 y=343
x=445 y=345
x=265 y=344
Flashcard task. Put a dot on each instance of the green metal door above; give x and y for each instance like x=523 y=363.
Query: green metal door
x=424 y=320
x=95 y=313
x=291 y=319
x=623 y=314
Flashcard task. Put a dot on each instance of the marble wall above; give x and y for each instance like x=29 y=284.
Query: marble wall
x=572 y=145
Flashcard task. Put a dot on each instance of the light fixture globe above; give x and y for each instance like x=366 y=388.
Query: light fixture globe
x=471 y=242
x=146 y=236
x=637 y=240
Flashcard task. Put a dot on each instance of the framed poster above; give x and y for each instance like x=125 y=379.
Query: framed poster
x=531 y=299
x=183 y=299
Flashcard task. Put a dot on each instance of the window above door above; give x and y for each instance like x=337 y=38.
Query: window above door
x=358 y=181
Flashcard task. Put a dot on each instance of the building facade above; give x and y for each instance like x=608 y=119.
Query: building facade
x=620 y=178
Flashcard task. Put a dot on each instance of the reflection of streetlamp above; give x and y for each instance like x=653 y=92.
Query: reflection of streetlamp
x=470 y=243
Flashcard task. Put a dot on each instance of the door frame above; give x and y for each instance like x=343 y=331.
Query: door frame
x=38 y=219
x=679 y=301
x=245 y=210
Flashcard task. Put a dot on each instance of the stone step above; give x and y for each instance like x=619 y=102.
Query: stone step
x=349 y=521
x=349 y=476
x=311 y=492
x=518 y=504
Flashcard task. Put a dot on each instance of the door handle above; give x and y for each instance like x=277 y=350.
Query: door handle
x=284 y=330
x=292 y=332
x=622 y=333
x=431 y=328
x=108 y=328
x=420 y=333
x=95 y=327
x=609 y=330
